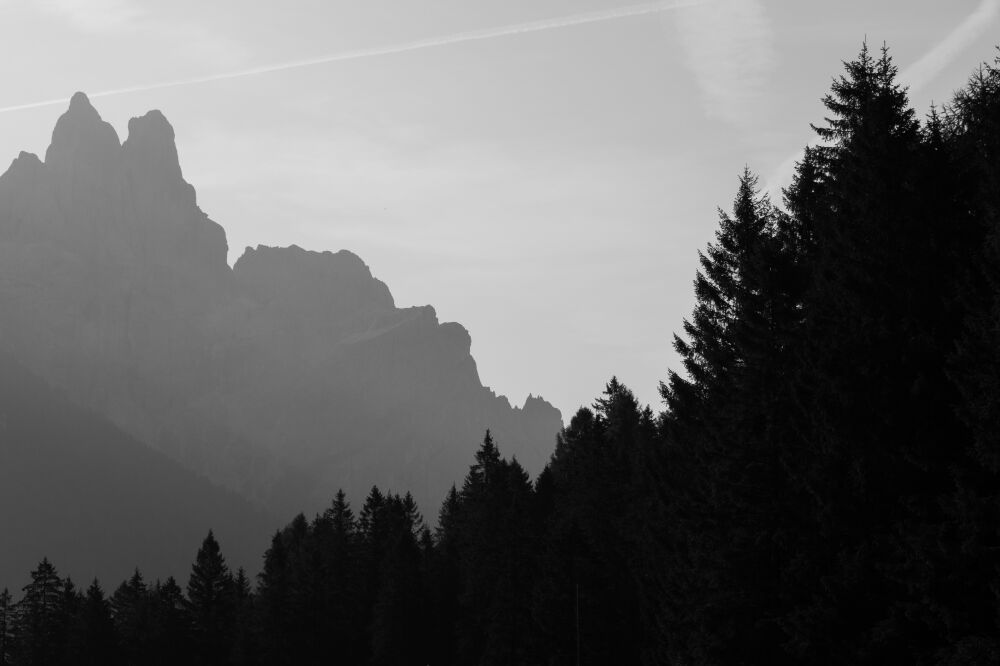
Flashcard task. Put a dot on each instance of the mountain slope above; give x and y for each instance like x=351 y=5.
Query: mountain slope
x=78 y=490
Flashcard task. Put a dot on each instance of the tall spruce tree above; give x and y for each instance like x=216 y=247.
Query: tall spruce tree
x=489 y=526
x=344 y=584
x=40 y=618
x=725 y=508
x=245 y=646
x=274 y=594
x=210 y=603
x=444 y=581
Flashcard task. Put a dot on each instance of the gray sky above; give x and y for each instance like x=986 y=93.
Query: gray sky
x=543 y=173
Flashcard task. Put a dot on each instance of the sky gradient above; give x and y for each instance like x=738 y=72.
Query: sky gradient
x=547 y=188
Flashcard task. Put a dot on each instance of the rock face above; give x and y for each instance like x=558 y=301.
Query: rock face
x=283 y=378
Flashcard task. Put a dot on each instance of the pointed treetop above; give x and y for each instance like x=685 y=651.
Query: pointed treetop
x=867 y=91
x=488 y=453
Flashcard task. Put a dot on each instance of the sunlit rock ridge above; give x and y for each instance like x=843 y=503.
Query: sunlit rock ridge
x=285 y=377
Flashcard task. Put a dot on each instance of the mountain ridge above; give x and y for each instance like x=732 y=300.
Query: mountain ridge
x=283 y=377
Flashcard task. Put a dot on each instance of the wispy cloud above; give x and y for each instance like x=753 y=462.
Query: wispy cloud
x=918 y=74
x=728 y=44
x=433 y=42
x=923 y=71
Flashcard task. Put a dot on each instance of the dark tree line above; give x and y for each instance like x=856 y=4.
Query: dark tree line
x=821 y=488
x=831 y=453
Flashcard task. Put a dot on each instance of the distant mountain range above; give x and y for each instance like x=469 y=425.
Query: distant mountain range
x=282 y=379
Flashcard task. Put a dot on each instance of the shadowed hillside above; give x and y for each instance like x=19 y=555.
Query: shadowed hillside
x=78 y=490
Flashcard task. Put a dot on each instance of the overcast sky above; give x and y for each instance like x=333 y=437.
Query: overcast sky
x=547 y=187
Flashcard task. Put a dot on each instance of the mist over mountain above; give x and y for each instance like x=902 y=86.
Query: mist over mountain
x=78 y=490
x=283 y=378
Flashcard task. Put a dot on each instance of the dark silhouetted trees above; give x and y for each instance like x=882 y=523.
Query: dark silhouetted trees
x=93 y=640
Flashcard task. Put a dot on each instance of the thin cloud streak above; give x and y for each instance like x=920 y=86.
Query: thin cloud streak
x=916 y=76
x=447 y=40
x=922 y=72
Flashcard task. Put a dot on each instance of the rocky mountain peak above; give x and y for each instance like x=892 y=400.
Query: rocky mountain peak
x=82 y=139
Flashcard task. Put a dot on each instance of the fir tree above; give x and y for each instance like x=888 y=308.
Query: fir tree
x=130 y=612
x=210 y=603
x=274 y=584
x=41 y=620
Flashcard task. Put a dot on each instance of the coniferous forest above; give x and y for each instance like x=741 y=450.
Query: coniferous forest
x=820 y=487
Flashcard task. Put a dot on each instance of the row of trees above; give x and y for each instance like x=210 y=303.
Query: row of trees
x=506 y=577
x=822 y=486
x=56 y=623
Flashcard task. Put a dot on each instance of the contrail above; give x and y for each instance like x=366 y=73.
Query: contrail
x=432 y=42
x=921 y=72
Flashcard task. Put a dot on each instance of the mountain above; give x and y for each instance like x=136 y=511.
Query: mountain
x=283 y=378
x=78 y=490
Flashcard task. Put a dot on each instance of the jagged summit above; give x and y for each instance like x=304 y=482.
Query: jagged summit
x=283 y=378
x=123 y=207
x=83 y=140
x=151 y=150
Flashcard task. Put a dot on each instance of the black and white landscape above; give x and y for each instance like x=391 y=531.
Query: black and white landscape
x=272 y=457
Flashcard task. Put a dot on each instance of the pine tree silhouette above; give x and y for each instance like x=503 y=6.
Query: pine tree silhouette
x=211 y=603
x=40 y=617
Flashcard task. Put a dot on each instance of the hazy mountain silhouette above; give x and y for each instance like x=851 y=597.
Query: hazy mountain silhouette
x=283 y=378
x=78 y=490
